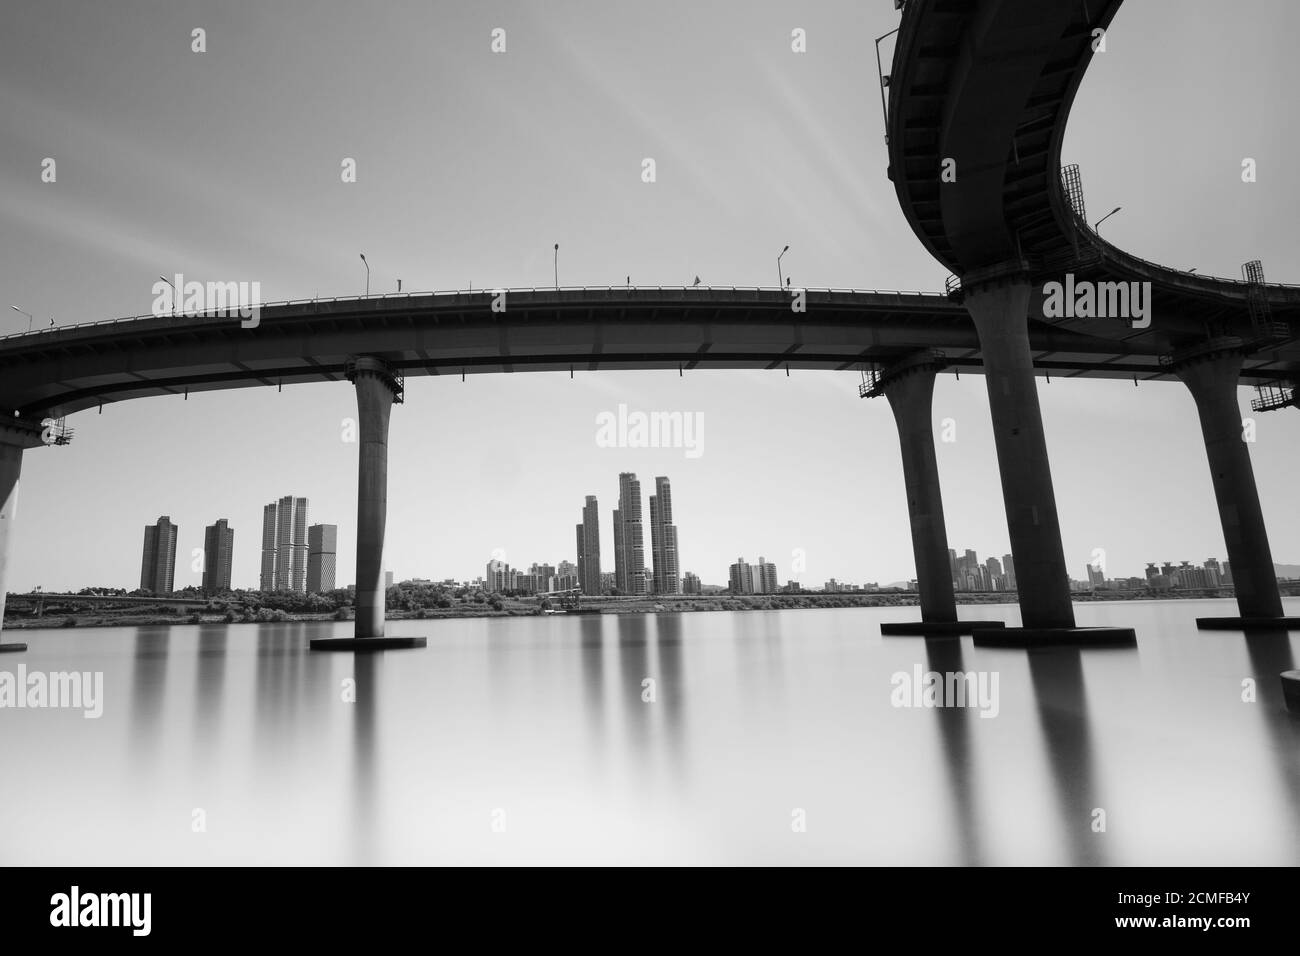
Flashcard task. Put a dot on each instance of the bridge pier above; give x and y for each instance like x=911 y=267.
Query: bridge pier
x=1211 y=373
x=16 y=436
x=377 y=386
x=1000 y=310
x=909 y=386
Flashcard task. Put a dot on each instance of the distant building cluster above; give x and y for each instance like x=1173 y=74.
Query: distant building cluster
x=969 y=574
x=746 y=578
x=1161 y=577
x=538 y=579
x=630 y=576
x=295 y=557
x=840 y=587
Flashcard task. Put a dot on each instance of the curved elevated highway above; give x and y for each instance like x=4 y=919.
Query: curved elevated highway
x=979 y=96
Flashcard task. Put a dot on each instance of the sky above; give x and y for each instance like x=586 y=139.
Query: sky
x=226 y=165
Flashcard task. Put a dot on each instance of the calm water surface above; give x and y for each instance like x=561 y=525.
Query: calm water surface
x=772 y=738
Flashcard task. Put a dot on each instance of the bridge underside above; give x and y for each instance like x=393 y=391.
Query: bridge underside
x=979 y=97
x=61 y=371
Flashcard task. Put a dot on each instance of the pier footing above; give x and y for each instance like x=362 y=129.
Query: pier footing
x=935 y=628
x=366 y=643
x=1291 y=690
x=1248 y=623
x=1056 y=637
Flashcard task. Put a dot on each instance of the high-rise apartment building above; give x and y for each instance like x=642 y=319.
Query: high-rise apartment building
x=284 y=545
x=663 y=540
x=322 y=557
x=218 y=551
x=589 y=548
x=498 y=577
x=629 y=542
x=266 y=580
x=740 y=578
x=691 y=583
x=158 y=567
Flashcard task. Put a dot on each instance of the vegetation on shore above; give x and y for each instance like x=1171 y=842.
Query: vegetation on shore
x=430 y=601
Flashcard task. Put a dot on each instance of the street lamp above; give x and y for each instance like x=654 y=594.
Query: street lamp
x=1097 y=227
x=28 y=314
x=175 y=295
x=780 y=282
x=557 y=267
x=363 y=259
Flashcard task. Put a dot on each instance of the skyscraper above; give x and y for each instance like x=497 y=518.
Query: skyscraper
x=629 y=546
x=740 y=577
x=500 y=576
x=322 y=557
x=589 y=548
x=284 y=545
x=218 y=548
x=266 y=581
x=663 y=539
x=158 y=567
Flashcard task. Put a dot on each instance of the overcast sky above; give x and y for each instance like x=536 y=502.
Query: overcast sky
x=471 y=165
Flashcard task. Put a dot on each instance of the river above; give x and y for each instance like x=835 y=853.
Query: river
x=765 y=737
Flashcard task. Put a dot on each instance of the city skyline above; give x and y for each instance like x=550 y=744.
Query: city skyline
x=320 y=569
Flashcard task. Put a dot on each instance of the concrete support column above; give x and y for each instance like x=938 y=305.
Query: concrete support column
x=15 y=437
x=11 y=466
x=1001 y=314
x=1211 y=374
x=376 y=386
x=909 y=386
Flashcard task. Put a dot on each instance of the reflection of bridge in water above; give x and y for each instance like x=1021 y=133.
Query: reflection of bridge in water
x=986 y=86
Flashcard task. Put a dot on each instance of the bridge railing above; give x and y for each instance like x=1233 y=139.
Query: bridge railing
x=385 y=296
x=1103 y=247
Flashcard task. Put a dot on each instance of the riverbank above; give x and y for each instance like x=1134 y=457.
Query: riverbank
x=137 y=616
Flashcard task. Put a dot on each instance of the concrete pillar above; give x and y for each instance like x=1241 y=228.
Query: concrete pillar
x=1211 y=374
x=1001 y=313
x=909 y=386
x=11 y=466
x=15 y=437
x=376 y=386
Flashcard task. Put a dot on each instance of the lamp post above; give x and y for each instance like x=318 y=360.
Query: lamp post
x=28 y=314
x=176 y=296
x=780 y=282
x=1097 y=227
x=557 y=267
x=367 y=265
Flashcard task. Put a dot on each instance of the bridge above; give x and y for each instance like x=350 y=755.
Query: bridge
x=979 y=97
x=985 y=84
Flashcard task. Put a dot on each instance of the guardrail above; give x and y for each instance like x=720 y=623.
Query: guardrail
x=1106 y=249
x=385 y=296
